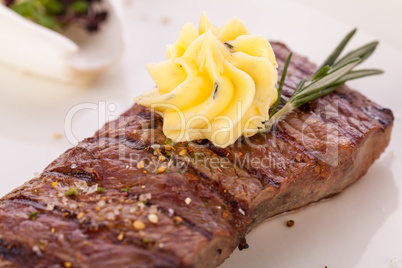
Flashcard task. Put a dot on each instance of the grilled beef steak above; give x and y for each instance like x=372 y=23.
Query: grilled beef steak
x=126 y=198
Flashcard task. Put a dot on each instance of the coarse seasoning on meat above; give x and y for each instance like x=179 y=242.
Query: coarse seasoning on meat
x=128 y=197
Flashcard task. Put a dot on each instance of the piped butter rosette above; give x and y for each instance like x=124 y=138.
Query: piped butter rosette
x=216 y=84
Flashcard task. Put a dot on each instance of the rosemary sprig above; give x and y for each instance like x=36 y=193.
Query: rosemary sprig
x=285 y=70
x=331 y=75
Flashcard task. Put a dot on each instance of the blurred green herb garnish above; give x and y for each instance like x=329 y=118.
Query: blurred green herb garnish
x=39 y=11
x=56 y=14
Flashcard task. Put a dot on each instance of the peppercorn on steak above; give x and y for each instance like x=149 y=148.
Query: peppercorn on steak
x=128 y=197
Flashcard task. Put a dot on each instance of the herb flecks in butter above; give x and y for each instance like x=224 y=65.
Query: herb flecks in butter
x=216 y=84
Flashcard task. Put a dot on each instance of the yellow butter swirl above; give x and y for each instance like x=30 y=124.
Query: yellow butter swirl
x=216 y=84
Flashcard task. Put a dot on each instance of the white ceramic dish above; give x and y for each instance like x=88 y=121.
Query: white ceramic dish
x=359 y=228
x=74 y=57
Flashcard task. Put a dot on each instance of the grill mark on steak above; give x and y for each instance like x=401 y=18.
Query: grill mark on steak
x=189 y=223
x=205 y=237
x=230 y=200
x=22 y=256
x=383 y=115
x=18 y=255
x=266 y=180
x=110 y=235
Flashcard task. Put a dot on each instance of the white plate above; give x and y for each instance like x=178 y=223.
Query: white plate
x=359 y=228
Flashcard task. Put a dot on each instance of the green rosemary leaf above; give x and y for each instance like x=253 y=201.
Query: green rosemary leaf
x=362 y=53
x=285 y=70
x=349 y=76
x=338 y=50
x=321 y=72
x=329 y=79
x=298 y=88
x=277 y=116
x=315 y=95
x=283 y=101
x=359 y=74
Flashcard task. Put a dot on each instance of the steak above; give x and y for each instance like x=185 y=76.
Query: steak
x=126 y=197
